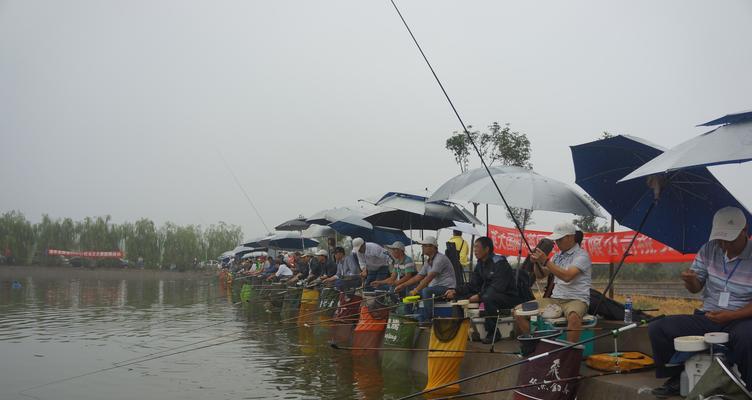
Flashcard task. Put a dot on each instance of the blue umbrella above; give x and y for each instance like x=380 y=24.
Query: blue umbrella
x=676 y=209
x=356 y=227
x=284 y=241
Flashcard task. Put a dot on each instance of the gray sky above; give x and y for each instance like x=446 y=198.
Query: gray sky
x=121 y=107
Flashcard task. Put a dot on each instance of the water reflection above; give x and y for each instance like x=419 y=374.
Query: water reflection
x=59 y=325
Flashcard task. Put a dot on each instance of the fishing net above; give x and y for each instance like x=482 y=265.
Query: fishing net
x=310 y=296
x=450 y=336
x=378 y=305
x=328 y=301
x=561 y=365
x=348 y=310
x=719 y=382
x=400 y=332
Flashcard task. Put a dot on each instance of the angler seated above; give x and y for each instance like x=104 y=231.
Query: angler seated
x=722 y=270
x=571 y=268
x=302 y=267
x=270 y=268
x=434 y=279
x=348 y=270
x=401 y=269
x=327 y=268
x=283 y=273
x=491 y=283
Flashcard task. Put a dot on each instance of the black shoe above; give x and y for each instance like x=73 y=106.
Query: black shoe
x=669 y=388
x=491 y=339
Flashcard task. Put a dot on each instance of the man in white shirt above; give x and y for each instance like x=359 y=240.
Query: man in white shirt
x=283 y=273
x=374 y=261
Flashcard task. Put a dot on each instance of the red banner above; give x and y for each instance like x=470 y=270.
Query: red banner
x=85 y=254
x=604 y=248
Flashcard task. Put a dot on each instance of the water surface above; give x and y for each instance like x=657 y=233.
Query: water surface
x=63 y=323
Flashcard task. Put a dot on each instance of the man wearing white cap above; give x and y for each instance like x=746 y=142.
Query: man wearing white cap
x=722 y=270
x=434 y=279
x=374 y=261
x=327 y=267
x=571 y=268
x=402 y=269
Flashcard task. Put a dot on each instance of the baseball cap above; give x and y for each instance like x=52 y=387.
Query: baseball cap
x=396 y=245
x=728 y=222
x=322 y=253
x=429 y=240
x=357 y=242
x=561 y=230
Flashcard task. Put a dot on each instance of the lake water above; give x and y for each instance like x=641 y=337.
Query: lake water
x=64 y=332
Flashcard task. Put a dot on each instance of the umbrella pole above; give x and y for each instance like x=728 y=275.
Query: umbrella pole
x=611 y=265
x=625 y=255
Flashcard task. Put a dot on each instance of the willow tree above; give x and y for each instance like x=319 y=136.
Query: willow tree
x=16 y=236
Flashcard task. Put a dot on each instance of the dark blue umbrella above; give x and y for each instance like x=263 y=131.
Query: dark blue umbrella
x=356 y=227
x=677 y=210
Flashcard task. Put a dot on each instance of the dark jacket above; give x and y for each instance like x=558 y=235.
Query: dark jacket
x=330 y=268
x=490 y=278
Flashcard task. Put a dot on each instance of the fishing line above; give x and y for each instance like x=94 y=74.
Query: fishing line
x=338 y=347
x=242 y=189
x=529 y=385
x=464 y=129
x=614 y=332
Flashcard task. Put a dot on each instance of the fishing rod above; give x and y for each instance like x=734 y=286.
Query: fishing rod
x=529 y=385
x=612 y=277
x=614 y=333
x=242 y=189
x=338 y=347
x=464 y=129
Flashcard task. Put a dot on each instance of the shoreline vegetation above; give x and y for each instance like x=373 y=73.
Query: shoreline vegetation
x=142 y=241
x=9 y=273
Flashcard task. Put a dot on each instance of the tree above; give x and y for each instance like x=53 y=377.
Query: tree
x=16 y=236
x=220 y=237
x=511 y=148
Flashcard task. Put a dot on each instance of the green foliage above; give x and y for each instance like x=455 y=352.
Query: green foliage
x=17 y=236
x=500 y=144
x=170 y=244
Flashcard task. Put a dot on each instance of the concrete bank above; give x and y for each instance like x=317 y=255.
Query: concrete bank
x=616 y=387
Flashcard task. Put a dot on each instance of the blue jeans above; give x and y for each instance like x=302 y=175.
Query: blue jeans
x=426 y=296
x=377 y=275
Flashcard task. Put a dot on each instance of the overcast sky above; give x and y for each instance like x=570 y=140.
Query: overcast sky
x=124 y=107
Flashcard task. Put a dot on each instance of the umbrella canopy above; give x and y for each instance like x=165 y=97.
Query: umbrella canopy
x=317 y=231
x=255 y=254
x=295 y=224
x=357 y=227
x=290 y=241
x=682 y=216
x=726 y=145
x=325 y=217
x=466 y=228
x=410 y=211
x=284 y=241
x=522 y=188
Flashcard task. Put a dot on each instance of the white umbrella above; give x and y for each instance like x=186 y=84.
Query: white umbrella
x=522 y=188
x=727 y=144
x=330 y=215
x=466 y=228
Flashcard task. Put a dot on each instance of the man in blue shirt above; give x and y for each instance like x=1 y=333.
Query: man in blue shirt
x=722 y=270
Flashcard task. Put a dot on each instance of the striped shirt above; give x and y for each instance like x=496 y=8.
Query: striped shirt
x=709 y=267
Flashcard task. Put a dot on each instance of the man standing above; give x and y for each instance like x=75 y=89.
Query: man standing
x=463 y=249
x=374 y=261
x=434 y=279
x=722 y=270
x=571 y=268
x=492 y=283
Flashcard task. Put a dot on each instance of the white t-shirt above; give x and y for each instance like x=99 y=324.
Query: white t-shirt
x=283 y=270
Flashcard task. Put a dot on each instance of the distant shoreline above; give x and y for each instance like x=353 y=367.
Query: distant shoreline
x=19 y=272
